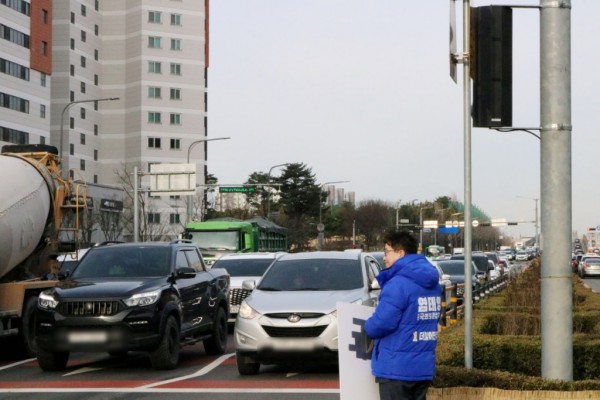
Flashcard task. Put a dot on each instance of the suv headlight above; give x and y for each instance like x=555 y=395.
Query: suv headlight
x=246 y=311
x=47 y=301
x=142 y=299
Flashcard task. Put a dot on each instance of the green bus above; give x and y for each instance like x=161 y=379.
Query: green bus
x=219 y=236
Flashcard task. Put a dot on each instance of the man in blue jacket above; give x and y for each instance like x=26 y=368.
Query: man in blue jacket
x=405 y=322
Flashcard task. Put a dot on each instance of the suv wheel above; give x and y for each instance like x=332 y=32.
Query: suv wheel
x=27 y=343
x=217 y=344
x=244 y=366
x=52 y=361
x=166 y=355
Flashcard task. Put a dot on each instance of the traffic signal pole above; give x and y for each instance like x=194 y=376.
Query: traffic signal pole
x=555 y=165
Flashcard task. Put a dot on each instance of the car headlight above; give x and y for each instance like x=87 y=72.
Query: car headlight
x=46 y=301
x=246 y=311
x=142 y=299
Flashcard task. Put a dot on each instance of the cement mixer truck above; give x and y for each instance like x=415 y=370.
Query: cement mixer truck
x=39 y=219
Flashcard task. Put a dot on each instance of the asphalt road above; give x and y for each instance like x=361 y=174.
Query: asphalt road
x=99 y=376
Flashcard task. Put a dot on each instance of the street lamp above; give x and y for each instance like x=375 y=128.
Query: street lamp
x=189 y=202
x=269 y=189
x=536 y=218
x=321 y=227
x=62 y=118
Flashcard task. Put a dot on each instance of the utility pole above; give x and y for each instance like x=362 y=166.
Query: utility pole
x=555 y=167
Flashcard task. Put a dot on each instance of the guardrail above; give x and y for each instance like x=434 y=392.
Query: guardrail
x=450 y=311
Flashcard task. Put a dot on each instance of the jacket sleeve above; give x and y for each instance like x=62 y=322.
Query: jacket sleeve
x=388 y=313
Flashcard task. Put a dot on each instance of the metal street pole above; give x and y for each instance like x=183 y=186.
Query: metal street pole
x=321 y=227
x=62 y=118
x=189 y=200
x=397 y=214
x=535 y=220
x=269 y=188
x=421 y=227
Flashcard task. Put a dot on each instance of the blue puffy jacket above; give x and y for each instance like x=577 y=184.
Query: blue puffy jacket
x=405 y=322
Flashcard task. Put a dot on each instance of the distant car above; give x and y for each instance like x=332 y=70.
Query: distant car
x=589 y=265
x=454 y=270
x=481 y=262
x=522 y=255
x=291 y=315
x=241 y=267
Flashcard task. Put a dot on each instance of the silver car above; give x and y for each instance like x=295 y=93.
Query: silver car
x=291 y=315
x=241 y=267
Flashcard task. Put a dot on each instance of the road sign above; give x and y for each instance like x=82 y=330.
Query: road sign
x=449 y=230
x=237 y=189
x=475 y=223
x=430 y=224
x=172 y=179
x=499 y=222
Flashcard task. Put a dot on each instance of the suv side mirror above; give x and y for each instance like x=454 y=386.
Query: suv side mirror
x=249 y=284
x=186 y=273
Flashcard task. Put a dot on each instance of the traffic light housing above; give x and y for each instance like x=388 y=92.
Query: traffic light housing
x=491 y=65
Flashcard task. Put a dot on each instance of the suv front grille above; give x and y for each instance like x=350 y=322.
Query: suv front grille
x=88 y=308
x=236 y=296
x=311 y=331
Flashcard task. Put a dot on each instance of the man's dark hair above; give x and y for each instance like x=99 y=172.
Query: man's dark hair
x=401 y=240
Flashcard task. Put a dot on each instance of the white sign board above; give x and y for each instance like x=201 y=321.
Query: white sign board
x=356 y=380
x=172 y=179
x=430 y=224
x=499 y=222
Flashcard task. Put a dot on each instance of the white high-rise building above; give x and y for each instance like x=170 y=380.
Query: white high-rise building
x=151 y=55
x=25 y=65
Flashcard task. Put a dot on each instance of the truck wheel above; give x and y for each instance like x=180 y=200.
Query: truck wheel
x=246 y=367
x=52 y=361
x=27 y=344
x=166 y=355
x=217 y=344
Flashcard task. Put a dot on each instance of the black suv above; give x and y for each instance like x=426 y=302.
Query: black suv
x=151 y=297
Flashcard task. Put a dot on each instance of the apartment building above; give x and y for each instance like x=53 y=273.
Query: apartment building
x=25 y=66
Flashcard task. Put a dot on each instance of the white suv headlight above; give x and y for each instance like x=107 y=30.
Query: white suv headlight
x=246 y=311
x=46 y=301
x=143 y=299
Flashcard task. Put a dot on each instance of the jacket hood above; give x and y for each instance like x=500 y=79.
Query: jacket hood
x=414 y=267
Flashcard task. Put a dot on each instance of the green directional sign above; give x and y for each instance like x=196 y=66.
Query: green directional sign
x=237 y=189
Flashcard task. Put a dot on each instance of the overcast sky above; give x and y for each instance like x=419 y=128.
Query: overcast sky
x=359 y=90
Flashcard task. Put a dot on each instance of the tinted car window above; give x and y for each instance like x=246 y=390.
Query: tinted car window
x=313 y=274
x=123 y=262
x=453 y=268
x=244 y=267
x=480 y=261
x=194 y=260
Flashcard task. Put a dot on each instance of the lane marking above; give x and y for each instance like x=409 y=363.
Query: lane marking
x=156 y=390
x=17 y=363
x=83 y=371
x=201 y=372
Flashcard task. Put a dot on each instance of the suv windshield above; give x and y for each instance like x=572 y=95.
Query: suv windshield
x=124 y=262
x=313 y=274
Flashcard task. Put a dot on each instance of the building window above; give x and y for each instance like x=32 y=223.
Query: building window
x=82 y=165
x=71 y=148
x=44 y=16
x=14 y=36
x=82 y=113
x=72 y=95
x=153 y=117
x=175 y=19
x=82 y=61
x=82 y=138
x=42 y=139
x=82 y=84
x=72 y=17
x=95 y=129
x=175 y=144
x=95 y=155
x=71 y=122
x=175 y=94
x=96 y=4
x=153 y=218
x=96 y=79
x=174 y=218
x=96 y=54
x=72 y=70
x=43 y=78
x=175 y=119
x=175 y=69
x=72 y=44
x=175 y=44
x=96 y=29
x=83 y=10
x=83 y=36
x=154 y=67
x=154 y=92
x=154 y=17
x=14 y=103
x=42 y=111
x=95 y=179
x=14 y=136
x=14 y=69
x=44 y=48
x=154 y=143
x=154 y=42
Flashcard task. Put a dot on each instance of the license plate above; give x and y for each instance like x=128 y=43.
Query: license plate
x=234 y=309
x=293 y=344
x=88 y=337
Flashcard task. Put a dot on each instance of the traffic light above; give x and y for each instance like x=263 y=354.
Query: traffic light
x=491 y=65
